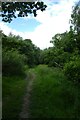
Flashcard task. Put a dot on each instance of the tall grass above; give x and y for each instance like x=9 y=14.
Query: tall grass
x=53 y=96
x=0 y=96
x=13 y=91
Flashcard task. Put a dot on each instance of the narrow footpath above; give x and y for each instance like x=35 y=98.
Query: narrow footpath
x=25 y=108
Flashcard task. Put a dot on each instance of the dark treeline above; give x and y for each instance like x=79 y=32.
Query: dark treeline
x=19 y=54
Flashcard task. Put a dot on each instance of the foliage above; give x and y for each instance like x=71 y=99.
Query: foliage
x=31 y=51
x=66 y=46
x=63 y=46
x=12 y=10
x=65 y=41
x=12 y=63
x=76 y=17
x=76 y=23
x=24 y=47
x=72 y=69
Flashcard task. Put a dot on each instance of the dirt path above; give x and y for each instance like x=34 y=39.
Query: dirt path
x=26 y=102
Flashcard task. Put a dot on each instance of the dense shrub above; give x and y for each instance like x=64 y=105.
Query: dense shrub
x=12 y=63
x=72 y=69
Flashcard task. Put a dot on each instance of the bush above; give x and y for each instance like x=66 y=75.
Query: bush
x=12 y=63
x=72 y=69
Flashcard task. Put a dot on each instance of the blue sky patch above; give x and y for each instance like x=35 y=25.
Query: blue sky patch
x=22 y=25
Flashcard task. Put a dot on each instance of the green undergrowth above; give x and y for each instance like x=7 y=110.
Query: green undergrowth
x=53 y=96
x=13 y=92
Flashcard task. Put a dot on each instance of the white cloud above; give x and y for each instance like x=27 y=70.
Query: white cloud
x=54 y=20
x=7 y=30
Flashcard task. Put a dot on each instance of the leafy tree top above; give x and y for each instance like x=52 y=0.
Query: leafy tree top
x=12 y=10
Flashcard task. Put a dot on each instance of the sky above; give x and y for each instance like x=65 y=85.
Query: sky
x=41 y=29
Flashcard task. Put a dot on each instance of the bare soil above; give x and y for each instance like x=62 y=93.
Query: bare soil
x=26 y=102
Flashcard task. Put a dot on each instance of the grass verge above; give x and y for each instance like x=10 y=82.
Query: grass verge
x=13 y=91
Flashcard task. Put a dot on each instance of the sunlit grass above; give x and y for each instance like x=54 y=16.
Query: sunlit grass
x=53 y=96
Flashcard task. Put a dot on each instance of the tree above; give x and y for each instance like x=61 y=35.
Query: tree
x=76 y=17
x=76 y=23
x=12 y=10
x=64 y=46
x=72 y=67
x=24 y=47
